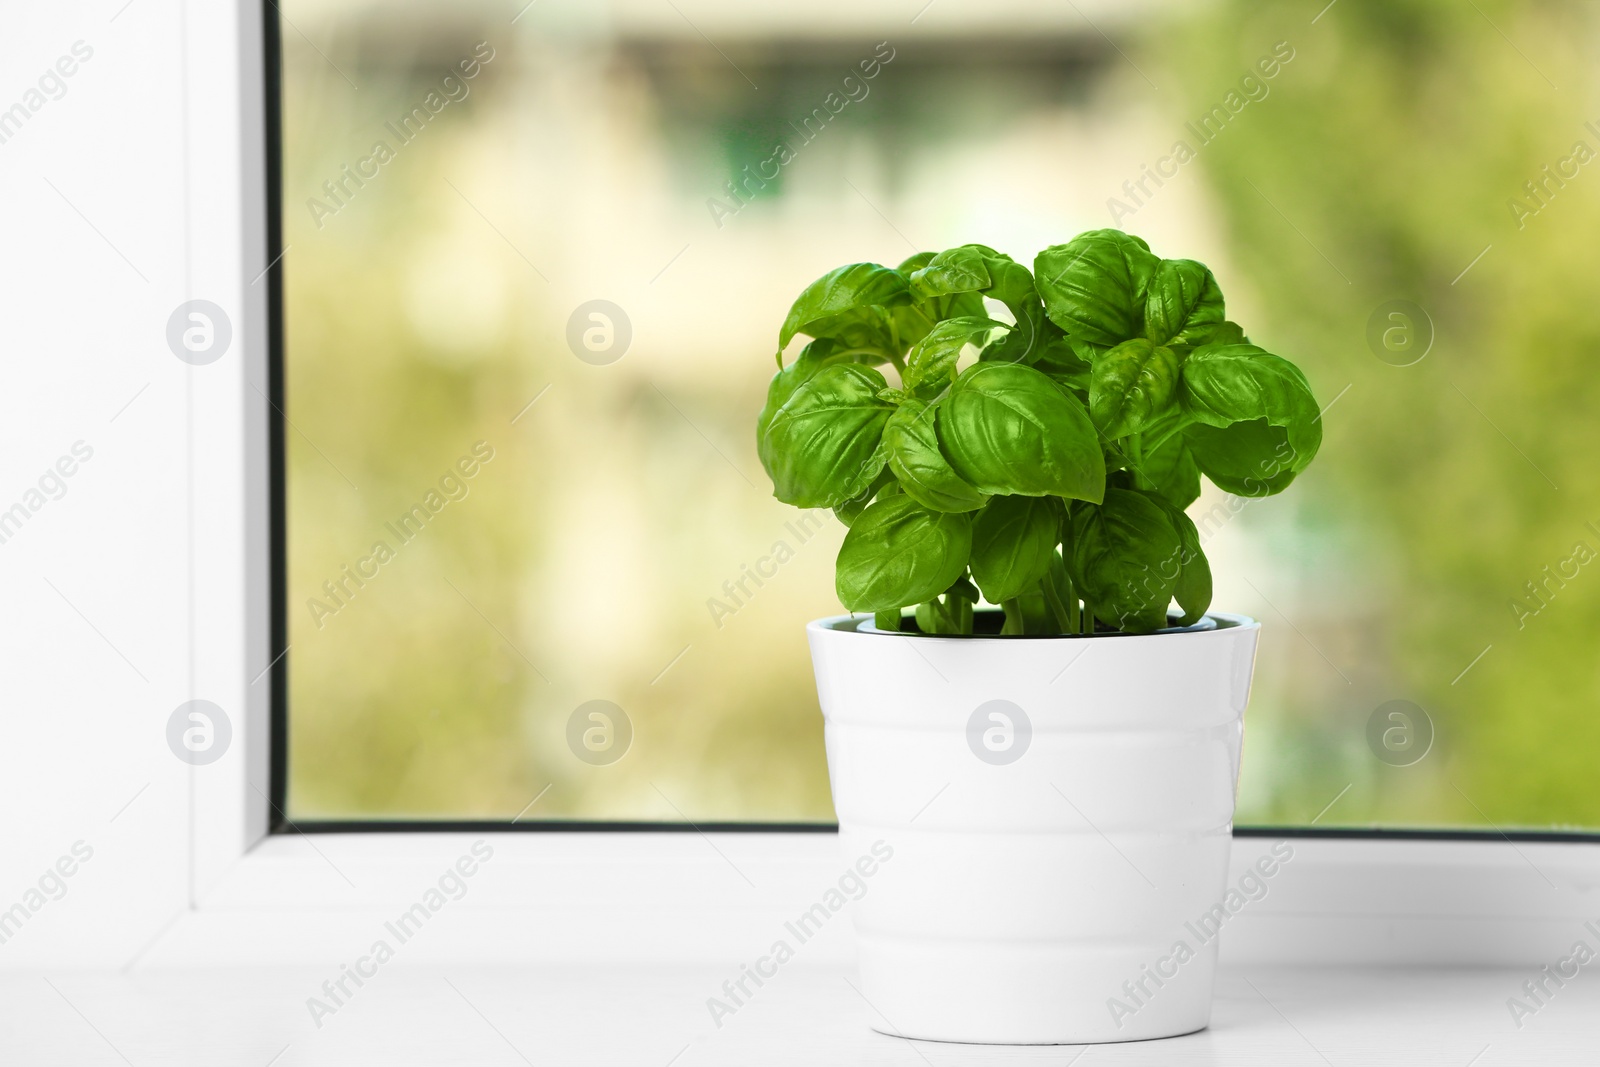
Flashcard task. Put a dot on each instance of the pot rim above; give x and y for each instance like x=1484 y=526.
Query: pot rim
x=1212 y=622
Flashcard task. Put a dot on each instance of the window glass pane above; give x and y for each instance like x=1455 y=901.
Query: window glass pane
x=535 y=265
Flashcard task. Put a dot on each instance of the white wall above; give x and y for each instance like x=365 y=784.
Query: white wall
x=101 y=602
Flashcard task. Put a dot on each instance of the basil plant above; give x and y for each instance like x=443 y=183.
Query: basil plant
x=1043 y=462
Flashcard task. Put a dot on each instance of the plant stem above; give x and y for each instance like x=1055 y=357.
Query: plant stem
x=1136 y=461
x=1013 y=624
x=1063 y=618
x=1074 y=612
x=894 y=349
x=887 y=620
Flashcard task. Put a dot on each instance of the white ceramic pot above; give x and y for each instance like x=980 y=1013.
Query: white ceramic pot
x=1059 y=811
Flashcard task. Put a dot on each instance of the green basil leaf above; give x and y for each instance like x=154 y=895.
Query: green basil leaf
x=866 y=331
x=854 y=286
x=979 y=269
x=911 y=445
x=899 y=553
x=1095 y=286
x=1171 y=469
x=814 y=357
x=1193 y=588
x=1013 y=541
x=1223 y=333
x=932 y=361
x=955 y=270
x=913 y=321
x=1008 y=429
x=1124 y=555
x=959 y=305
x=1012 y=284
x=821 y=446
x=1131 y=386
x=1248 y=458
x=1184 y=305
x=1223 y=386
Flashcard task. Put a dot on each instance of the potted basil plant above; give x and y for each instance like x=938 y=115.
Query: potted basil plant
x=1054 y=774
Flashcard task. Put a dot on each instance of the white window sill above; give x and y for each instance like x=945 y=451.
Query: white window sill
x=808 y=1015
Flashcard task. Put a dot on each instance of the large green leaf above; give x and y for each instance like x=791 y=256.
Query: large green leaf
x=1184 y=304
x=1095 y=286
x=911 y=446
x=1225 y=384
x=814 y=357
x=1125 y=557
x=955 y=270
x=1008 y=429
x=854 y=286
x=899 y=553
x=1013 y=541
x=1259 y=425
x=1132 y=385
x=1251 y=458
x=821 y=446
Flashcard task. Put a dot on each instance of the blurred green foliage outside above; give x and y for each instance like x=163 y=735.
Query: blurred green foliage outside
x=605 y=531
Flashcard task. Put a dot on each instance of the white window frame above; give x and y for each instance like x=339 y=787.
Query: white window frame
x=236 y=894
